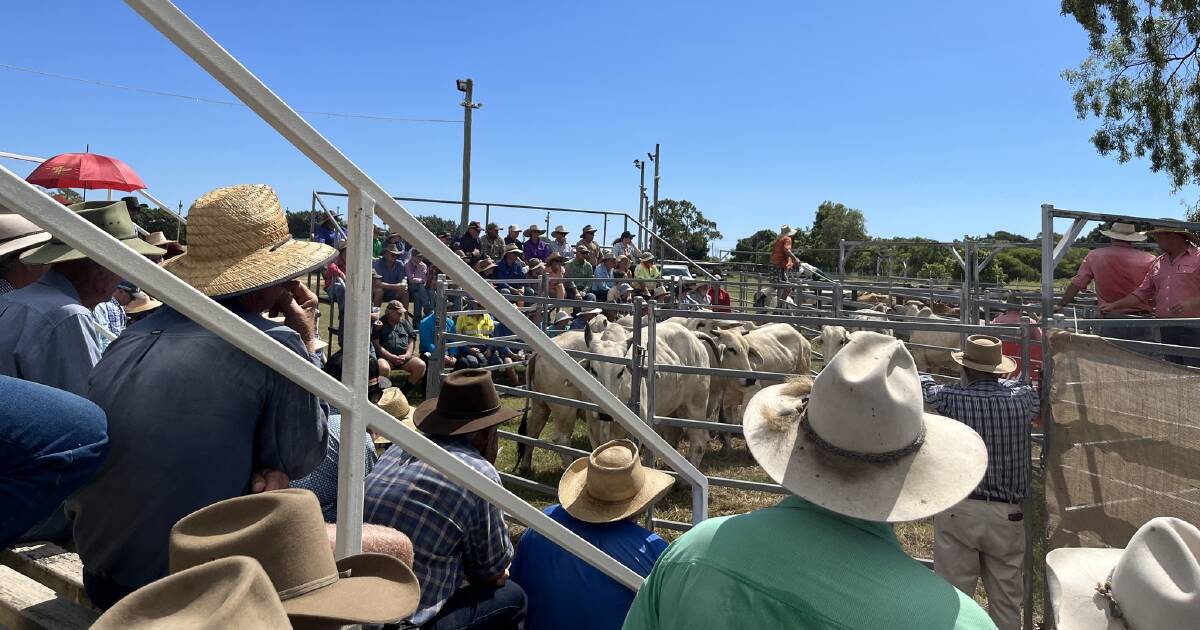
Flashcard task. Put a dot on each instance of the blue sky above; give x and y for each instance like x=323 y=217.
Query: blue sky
x=937 y=119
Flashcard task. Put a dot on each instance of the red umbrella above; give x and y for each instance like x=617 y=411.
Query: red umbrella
x=85 y=170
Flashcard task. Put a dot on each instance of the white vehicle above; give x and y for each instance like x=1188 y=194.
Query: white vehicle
x=680 y=272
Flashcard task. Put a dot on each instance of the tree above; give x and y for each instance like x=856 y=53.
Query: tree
x=159 y=220
x=760 y=241
x=1140 y=80
x=834 y=222
x=437 y=224
x=298 y=223
x=682 y=225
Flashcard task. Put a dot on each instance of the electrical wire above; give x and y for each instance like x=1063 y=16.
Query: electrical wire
x=213 y=101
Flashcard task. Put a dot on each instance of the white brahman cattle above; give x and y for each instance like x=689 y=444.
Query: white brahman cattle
x=930 y=359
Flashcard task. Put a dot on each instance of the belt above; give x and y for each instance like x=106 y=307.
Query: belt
x=975 y=496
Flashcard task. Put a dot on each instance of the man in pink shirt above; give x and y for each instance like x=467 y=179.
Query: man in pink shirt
x=1173 y=286
x=1117 y=270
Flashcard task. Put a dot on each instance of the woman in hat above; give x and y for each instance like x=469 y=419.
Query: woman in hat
x=555 y=271
x=535 y=247
x=623 y=265
x=647 y=270
x=624 y=246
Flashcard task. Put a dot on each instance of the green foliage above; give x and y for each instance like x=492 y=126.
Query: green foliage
x=159 y=220
x=70 y=195
x=298 y=223
x=682 y=225
x=1140 y=81
x=760 y=241
x=437 y=224
x=935 y=270
x=1070 y=263
x=832 y=223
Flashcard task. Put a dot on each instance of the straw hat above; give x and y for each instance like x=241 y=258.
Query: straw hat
x=231 y=592
x=860 y=444
x=285 y=532
x=785 y=230
x=534 y=229
x=158 y=239
x=238 y=241
x=110 y=216
x=559 y=230
x=396 y=404
x=622 y=257
x=984 y=354
x=1124 y=232
x=610 y=484
x=646 y=257
x=18 y=233
x=1154 y=582
x=1170 y=230
x=141 y=303
x=392 y=249
x=468 y=402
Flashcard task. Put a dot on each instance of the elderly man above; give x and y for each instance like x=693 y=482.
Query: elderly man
x=560 y=245
x=193 y=419
x=395 y=341
x=392 y=274
x=600 y=496
x=1173 y=286
x=1116 y=270
x=458 y=537
x=984 y=536
x=492 y=244
x=604 y=274
x=857 y=453
x=587 y=240
x=47 y=329
x=17 y=235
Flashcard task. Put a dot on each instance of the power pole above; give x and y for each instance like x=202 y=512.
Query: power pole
x=641 y=167
x=466 y=86
x=654 y=206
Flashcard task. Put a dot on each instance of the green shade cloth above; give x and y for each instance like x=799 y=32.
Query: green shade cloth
x=796 y=565
x=110 y=216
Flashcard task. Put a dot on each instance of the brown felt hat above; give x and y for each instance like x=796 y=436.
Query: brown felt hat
x=611 y=484
x=468 y=402
x=984 y=353
x=284 y=531
x=231 y=592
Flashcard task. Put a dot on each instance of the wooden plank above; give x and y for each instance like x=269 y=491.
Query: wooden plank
x=27 y=605
x=47 y=563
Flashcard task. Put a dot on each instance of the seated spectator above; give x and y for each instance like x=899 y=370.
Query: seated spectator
x=507 y=354
x=418 y=285
x=391 y=275
x=445 y=238
x=579 y=268
x=395 y=341
x=560 y=245
x=696 y=294
x=663 y=297
x=514 y=236
x=600 y=496
x=17 y=235
x=719 y=297
x=584 y=318
x=492 y=243
x=484 y=267
x=555 y=271
x=479 y=325
x=511 y=268
x=335 y=283
x=562 y=321
x=470 y=244
x=535 y=247
x=858 y=453
x=429 y=340
x=622 y=293
x=327 y=232
x=536 y=270
x=458 y=537
x=646 y=270
x=624 y=246
x=604 y=274
x=623 y=265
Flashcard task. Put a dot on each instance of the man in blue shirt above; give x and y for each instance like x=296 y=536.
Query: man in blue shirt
x=604 y=274
x=392 y=276
x=600 y=495
x=326 y=232
x=510 y=267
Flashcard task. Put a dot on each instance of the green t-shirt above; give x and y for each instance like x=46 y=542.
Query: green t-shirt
x=376 y=248
x=395 y=339
x=797 y=565
x=578 y=268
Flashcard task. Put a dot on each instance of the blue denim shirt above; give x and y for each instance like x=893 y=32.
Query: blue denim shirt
x=47 y=336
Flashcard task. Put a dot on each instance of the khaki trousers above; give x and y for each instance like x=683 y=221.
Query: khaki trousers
x=976 y=539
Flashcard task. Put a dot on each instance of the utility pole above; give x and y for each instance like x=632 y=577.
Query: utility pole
x=640 y=165
x=466 y=86
x=654 y=206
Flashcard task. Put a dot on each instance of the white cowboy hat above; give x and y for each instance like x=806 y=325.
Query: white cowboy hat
x=610 y=484
x=1124 y=232
x=560 y=230
x=861 y=444
x=141 y=303
x=562 y=317
x=18 y=233
x=984 y=353
x=1154 y=582
x=785 y=230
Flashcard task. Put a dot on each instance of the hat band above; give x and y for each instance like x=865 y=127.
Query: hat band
x=873 y=458
x=1114 y=609
x=469 y=415
x=307 y=587
x=13 y=238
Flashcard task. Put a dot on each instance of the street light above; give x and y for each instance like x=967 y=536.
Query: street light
x=466 y=86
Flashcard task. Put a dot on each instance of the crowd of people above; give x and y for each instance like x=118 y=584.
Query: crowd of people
x=197 y=483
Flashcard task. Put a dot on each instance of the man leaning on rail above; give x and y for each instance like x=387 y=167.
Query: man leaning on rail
x=193 y=419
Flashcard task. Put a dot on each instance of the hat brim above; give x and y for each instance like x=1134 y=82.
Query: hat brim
x=260 y=269
x=573 y=496
x=1007 y=364
x=56 y=252
x=380 y=589
x=25 y=242
x=428 y=420
x=142 y=308
x=531 y=233
x=1071 y=578
x=1135 y=237
x=947 y=467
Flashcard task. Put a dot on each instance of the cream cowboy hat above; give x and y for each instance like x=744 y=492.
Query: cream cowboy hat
x=610 y=484
x=141 y=303
x=110 y=216
x=231 y=592
x=785 y=230
x=1154 y=582
x=984 y=353
x=562 y=317
x=646 y=257
x=158 y=239
x=1124 y=232
x=559 y=230
x=534 y=229
x=238 y=241
x=857 y=441
x=18 y=233
x=284 y=531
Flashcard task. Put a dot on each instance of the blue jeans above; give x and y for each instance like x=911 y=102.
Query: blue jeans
x=422 y=304
x=482 y=607
x=51 y=443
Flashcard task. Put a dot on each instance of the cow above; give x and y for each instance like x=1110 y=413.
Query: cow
x=831 y=341
x=929 y=359
x=879 y=312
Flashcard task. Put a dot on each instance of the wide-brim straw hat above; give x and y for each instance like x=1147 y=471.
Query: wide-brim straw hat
x=511 y=249
x=392 y=249
x=231 y=592
x=468 y=402
x=559 y=230
x=1124 y=232
x=646 y=257
x=984 y=353
x=395 y=403
x=238 y=241
x=533 y=229
x=1154 y=581
x=141 y=303
x=110 y=216
x=158 y=239
x=284 y=531
x=857 y=441
x=611 y=484
x=18 y=233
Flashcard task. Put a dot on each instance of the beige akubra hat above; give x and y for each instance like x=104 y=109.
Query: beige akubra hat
x=785 y=230
x=1124 y=232
x=18 y=233
x=231 y=592
x=1154 y=582
x=238 y=241
x=158 y=239
x=284 y=531
x=534 y=229
x=396 y=404
x=984 y=353
x=560 y=230
x=857 y=441
x=141 y=303
x=610 y=484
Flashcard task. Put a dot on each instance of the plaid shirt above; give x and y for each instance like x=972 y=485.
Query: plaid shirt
x=6 y=286
x=1000 y=412
x=456 y=535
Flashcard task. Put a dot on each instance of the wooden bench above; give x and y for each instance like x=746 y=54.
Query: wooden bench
x=56 y=568
x=26 y=604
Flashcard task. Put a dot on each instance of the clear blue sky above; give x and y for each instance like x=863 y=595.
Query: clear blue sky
x=936 y=119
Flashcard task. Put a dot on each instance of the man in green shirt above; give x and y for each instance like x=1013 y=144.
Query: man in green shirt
x=396 y=341
x=859 y=452
x=579 y=267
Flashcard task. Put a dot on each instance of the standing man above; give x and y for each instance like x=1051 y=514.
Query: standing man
x=17 y=235
x=1116 y=270
x=396 y=342
x=392 y=275
x=984 y=535
x=192 y=419
x=492 y=243
x=588 y=240
x=783 y=259
x=560 y=245
x=535 y=247
x=1173 y=286
x=470 y=244
x=326 y=232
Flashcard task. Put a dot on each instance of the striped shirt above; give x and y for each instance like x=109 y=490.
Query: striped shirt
x=1000 y=412
x=455 y=534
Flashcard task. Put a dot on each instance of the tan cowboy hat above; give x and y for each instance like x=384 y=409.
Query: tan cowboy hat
x=238 y=241
x=857 y=441
x=110 y=216
x=484 y=264
x=392 y=249
x=591 y=311
x=553 y=257
x=646 y=257
x=587 y=228
x=559 y=230
x=468 y=402
x=1124 y=232
x=534 y=229
x=18 y=233
x=785 y=230
x=396 y=404
x=231 y=592
x=158 y=239
x=1154 y=582
x=660 y=291
x=610 y=484
x=395 y=305
x=511 y=249
x=284 y=531
x=1188 y=234
x=984 y=354
x=622 y=257
x=141 y=303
